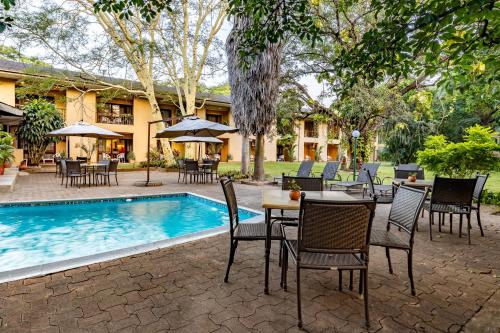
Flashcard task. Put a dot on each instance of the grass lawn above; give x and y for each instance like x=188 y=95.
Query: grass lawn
x=275 y=169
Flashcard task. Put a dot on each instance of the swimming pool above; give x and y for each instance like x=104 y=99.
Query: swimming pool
x=42 y=237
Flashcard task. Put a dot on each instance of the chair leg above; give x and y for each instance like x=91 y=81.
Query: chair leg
x=388 y=255
x=451 y=223
x=410 y=272
x=431 y=222
x=460 y=226
x=365 y=297
x=285 y=269
x=350 y=279
x=109 y=180
x=299 y=309
x=440 y=221
x=340 y=279
x=232 y=251
x=468 y=228
x=116 y=178
x=478 y=215
x=360 y=283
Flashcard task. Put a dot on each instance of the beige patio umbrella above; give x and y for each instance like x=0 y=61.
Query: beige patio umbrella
x=196 y=139
x=86 y=130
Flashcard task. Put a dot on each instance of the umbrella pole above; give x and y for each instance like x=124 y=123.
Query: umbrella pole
x=147 y=152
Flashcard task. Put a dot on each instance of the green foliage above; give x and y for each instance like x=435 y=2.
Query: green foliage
x=147 y=9
x=477 y=153
x=235 y=174
x=293 y=186
x=40 y=117
x=6 y=20
x=130 y=156
x=6 y=148
x=490 y=198
x=288 y=111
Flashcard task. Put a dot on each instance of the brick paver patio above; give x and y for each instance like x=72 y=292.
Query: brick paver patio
x=180 y=288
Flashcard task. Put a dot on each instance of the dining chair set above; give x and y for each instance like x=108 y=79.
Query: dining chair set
x=78 y=172
x=197 y=172
x=337 y=234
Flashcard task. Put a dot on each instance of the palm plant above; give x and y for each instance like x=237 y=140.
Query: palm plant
x=254 y=91
x=6 y=150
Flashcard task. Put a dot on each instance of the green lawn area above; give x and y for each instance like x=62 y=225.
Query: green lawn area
x=275 y=169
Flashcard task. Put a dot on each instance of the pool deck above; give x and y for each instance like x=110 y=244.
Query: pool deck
x=180 y=288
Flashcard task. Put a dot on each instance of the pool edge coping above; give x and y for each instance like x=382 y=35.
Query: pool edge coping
x=67 y=264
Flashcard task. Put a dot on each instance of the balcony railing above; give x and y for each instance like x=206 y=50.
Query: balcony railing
x=311 y=133
x=123 y=119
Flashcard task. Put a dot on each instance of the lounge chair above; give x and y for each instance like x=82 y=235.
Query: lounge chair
x=384 y=193
x=330 y=172
x=361 y=179
x=304 y=171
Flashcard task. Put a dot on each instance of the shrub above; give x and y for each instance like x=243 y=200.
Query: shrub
x=490 y=198
x=462 y=159
x=6 y=148
x=235 y=174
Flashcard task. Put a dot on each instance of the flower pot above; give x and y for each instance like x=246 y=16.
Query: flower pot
x=294 y=195
x=412 y=179
x=1 y=169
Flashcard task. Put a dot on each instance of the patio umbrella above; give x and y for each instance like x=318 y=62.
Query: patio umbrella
x=197 y=139
x=194 y=126
x=86 y=130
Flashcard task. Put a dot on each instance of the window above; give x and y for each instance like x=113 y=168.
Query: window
x=310 y=129
x=115 y=114
x=216 y=118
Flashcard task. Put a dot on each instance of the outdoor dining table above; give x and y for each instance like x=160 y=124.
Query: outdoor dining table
x=279 y=199
x=94 y=167
x=419 y=183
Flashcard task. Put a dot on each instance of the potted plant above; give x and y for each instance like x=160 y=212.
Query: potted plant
x=6 y=150
x=412 y=177
x=294 y=190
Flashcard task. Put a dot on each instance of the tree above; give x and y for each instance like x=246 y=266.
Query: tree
x=40 y=118
x=254 y=91
x=477 y=153
x=173 y=42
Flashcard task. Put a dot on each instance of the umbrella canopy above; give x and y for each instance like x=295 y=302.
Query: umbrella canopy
x=194 y=126
x=187 y=139
x=10 y=115
x=85 y=130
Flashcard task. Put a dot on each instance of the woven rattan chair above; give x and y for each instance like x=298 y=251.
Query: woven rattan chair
x=243 y=231
x=476 y=203
x=361 y=179
x=305 y=183
x=75 y=173
x=331 y=235
x=305 y=169
x=192 y=169
x=402 y=171
x=111 y=170
x=57 y=161
x=451 y=196
x=181 y=168
x=404 y=215
x=63 y=170
x=382 y=192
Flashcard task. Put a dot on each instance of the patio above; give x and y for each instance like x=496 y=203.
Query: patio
x=181 y=288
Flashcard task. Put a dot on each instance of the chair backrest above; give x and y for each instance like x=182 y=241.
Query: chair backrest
x=305 y=168
x=406 y=207
x=408 y=167
x=403 y=174
x=191 y=165
x=73 y=167
x=232 y=204
x=215 y=165
x=81 y=158
x=371 y=186
x=330 y=170
x=454 y=191
x=305 y=183
x=335 y=226
x=478 y=190
x=105 y=162
x=113 y=166
x=181 y=163
x=371 y=167
x=63 y=166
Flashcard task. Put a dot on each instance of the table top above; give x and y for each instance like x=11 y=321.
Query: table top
x=93 y=164
x=278 y=199
x=417 y=183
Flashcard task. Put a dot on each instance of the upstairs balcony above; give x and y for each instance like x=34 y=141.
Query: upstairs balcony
x=115 y=114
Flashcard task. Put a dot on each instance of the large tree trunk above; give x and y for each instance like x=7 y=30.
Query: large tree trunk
x=245 y=155
x=258 y=168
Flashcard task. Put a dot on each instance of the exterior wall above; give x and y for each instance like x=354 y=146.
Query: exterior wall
x=8 y=96
x=304 y=143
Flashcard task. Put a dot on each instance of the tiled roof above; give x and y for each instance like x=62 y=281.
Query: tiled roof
x=23 y=68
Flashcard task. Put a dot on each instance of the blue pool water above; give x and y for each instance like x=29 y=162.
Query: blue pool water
x=41 y=234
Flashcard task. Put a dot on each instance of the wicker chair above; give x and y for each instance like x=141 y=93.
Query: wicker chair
x=57 y=161
x=362 y=178
x=402 y=171
x=379 y=191
x=451 y=196
x=305 y=169
x=181 y=165
x=75 y=172
x=243 y=231
x=111 y=170
x=404 y=215
x=331 y=235
x=192 y=169
x=214 y=170
x=305 y=183
x=63 y=170
x=476 y=203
